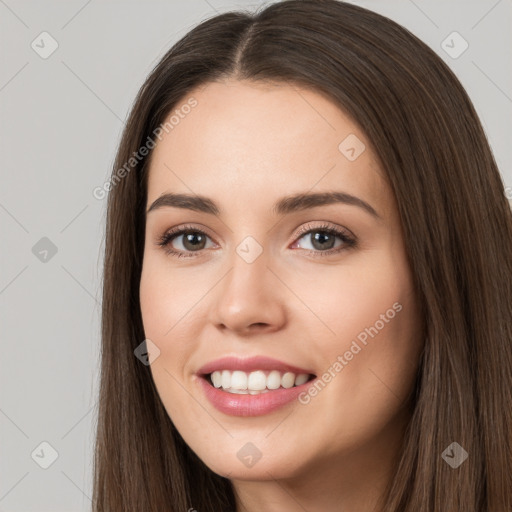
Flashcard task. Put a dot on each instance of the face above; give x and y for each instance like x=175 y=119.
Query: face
x=287 y=329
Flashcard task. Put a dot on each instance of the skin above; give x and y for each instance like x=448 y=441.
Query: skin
x=245 y=145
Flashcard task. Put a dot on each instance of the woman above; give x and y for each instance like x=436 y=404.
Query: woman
x=307 y=283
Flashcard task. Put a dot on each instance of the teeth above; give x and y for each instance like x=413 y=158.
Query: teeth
x=217 y=379
x=256 y=382
x=288 y=380
x=238 y=380
x=226 y=379
x=301 y=379
x=274 y=380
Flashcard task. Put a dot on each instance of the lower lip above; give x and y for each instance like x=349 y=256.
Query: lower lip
x=250 y=405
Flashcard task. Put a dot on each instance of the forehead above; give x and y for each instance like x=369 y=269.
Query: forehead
x=245 y=141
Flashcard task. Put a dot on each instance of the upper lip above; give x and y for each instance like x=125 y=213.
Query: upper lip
x=250 y=364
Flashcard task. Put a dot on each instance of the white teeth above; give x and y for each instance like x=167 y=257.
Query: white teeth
x=246 y=391
x=274 y=380
x=238 y=380
x=256 y=382
x=217 y=379
x=226 y=379
x=288 y=380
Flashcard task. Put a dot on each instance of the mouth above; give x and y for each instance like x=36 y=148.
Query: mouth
x=254 y=386
x=255 y=382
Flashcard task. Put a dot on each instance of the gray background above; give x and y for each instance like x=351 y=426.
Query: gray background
x=60 y=122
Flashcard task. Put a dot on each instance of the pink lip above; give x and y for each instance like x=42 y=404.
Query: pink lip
x=250 y=405
x=249 y=364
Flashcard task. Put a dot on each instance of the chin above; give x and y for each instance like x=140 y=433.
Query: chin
x=243 y=468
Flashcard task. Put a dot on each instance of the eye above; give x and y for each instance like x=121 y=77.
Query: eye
x=323 y=239
x=192 y=240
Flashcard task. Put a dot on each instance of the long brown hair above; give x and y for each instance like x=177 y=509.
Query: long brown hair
x=458 y=235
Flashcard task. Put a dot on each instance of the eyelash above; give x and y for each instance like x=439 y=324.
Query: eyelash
x=349 y=242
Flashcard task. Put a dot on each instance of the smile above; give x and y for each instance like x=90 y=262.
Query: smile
x=256 y=382
x=252 y=387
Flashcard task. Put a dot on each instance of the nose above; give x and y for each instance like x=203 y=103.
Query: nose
x=249 y=298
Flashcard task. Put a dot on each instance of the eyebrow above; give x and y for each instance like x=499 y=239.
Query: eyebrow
x=285 y=205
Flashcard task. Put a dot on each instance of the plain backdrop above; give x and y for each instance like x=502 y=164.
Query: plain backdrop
x=61 y=117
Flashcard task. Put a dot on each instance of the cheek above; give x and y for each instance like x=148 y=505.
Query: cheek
x=367 y=387
x=166 y=298
x=373 y=317
x=165 y=318
x=373 y=297
x=352 y=296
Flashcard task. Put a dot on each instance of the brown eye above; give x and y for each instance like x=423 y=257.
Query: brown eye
x=322 y=240
x=181 y=241
x=193 y=240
